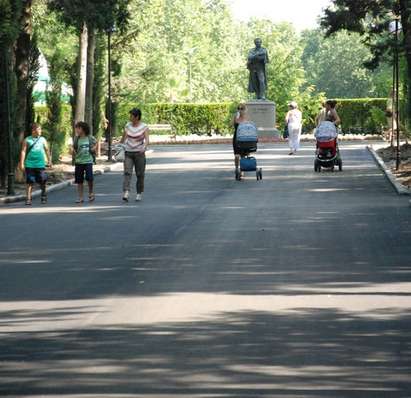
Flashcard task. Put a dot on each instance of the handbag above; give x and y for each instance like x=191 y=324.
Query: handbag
x=119 y=153
x=285 y=132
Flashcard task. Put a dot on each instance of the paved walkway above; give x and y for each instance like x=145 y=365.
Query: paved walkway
x=295 y=286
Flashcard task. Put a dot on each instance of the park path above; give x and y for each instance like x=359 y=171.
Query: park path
x=295 y=286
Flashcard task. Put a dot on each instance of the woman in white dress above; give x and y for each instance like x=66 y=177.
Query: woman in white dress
x=293 y=119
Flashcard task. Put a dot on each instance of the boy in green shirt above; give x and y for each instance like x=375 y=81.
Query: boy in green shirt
x=84 y=148
x=33 y=156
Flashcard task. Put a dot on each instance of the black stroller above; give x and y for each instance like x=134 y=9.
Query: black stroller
x=247 y=138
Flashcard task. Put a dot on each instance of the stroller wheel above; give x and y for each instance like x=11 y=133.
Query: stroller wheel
x=340 y=165
x=259 y=174
x=237 y=175
x=317 y=166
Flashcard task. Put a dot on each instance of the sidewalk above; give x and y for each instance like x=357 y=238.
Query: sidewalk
x=60 y=176
x=385 y=157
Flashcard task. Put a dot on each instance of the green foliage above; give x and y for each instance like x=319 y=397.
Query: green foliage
x=9 y=17
x=184 y=118
x=327 y=69
x=101 y=14
x=362 y=116
x=372 y=20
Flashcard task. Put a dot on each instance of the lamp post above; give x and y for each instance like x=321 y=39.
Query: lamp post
x=10 y=157
x=109 y=31
x=395 y=29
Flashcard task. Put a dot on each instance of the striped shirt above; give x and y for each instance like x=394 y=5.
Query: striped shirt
x=134 y=141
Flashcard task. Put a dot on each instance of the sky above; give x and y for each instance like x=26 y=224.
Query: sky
x=301 y=13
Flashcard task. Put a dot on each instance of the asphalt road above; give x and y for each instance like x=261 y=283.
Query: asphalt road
x=295 y=286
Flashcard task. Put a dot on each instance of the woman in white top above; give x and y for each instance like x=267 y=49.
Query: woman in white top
x=135 y=140
x=293 y=119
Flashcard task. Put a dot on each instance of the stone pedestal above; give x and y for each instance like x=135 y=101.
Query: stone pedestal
x=262 y=113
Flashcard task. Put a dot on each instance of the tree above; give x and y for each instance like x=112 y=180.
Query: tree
x=88 y=16
x=16 y=79
x=326 y=67
x=371 y=19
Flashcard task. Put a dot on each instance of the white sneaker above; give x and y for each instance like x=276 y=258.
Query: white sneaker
x=139 y=197
x=125 y=196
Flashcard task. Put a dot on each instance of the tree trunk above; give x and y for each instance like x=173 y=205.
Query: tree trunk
x=22 y=69
x=82 y=76
x=406 y=28
x=91 y=47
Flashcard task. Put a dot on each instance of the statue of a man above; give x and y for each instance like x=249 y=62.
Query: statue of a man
x=257 y=58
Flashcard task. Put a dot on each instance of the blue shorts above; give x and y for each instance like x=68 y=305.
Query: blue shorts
x=36 y=175
x=81 y=170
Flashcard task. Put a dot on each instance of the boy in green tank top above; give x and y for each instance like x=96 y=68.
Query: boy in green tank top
x=34 y=158
x=84 y=147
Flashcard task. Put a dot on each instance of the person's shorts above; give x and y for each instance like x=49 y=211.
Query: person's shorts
x=36 y=175
x=81 y=170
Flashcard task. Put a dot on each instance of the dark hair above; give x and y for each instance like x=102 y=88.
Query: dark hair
x=332 y=103
x=35 y=126
x=84 y=126
x=136 y=113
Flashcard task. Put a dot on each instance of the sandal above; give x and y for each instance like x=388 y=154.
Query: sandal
x=43 y=200
x=78 y=201
x=91 y=197
x=28 y=202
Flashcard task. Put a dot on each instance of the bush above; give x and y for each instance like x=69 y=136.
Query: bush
x=359 y=116
x=184 y=118
x=362 y=115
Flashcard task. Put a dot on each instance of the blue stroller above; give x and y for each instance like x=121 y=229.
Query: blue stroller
x=247 y=138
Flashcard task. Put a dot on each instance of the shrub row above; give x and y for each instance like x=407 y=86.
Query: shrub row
x=184 y=118
x=362 y=115
x=359 y=116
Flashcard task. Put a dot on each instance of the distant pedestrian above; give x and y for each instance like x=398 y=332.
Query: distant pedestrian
x=239 y=117
x=331 y=113
x=136 y=140
x=34 y=158
x=293 y=120
x=84 y=149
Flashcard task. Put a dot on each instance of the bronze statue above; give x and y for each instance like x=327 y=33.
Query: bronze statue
x=257 y=58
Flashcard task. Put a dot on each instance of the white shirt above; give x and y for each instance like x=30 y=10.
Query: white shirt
x=135 y=136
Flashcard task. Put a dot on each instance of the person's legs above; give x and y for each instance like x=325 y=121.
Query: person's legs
x=140 y=167
x=90 y=180
x=29 y=190
x=128 y=172
x=297 y=140
x=41 y=178
x=291 y=139
x=80 y=193
x=79 y=180
x=237 y=160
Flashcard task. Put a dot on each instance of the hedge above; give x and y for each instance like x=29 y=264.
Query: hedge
x=362 y=115
x=184 y=118
x=359 y=116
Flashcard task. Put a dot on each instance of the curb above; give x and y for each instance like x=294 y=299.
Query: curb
x=400 y=189
x=55 y=187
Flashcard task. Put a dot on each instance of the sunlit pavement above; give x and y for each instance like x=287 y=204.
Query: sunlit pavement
x=294 y=286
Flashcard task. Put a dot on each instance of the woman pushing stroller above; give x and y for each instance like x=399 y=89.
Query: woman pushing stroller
x=326 y=133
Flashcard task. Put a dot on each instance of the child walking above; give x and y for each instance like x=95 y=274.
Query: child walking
x=84 y=147
x=33 y=156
